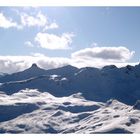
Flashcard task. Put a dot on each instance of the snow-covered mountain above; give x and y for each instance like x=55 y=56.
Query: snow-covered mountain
x=71 y=100
x=95 y=84
x=30 y=111
x=35 y=71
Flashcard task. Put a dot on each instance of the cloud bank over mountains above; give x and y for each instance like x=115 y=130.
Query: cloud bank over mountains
x=117 y=54
x=91 y=57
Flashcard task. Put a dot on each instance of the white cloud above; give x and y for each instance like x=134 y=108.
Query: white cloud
x=27 y=20
x=101 y=56
x=7 y=22
x=51 y=26
x=53 y=42
x=38 y=20
x=28 y=44
x=110 y=54
x=94 y=44
x=38 y=54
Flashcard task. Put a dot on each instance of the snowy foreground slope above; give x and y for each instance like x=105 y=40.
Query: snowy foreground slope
x=30 y=111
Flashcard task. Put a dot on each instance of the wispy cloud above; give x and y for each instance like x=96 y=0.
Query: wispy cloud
x=53 y=25
x=27 y=20
x=6 y=22
x=54 y=42
x=28 y=44
x=38 y=20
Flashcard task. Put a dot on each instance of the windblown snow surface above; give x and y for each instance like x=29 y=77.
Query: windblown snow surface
x=31 y=111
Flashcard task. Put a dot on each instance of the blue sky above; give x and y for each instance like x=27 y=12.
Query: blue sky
x=101 y=34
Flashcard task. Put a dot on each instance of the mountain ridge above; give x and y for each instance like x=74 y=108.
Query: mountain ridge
x=95 y=84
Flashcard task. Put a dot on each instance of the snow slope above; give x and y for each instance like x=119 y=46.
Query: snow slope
x=30 y=111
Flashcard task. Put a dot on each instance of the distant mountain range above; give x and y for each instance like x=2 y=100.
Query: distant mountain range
x=95 y=84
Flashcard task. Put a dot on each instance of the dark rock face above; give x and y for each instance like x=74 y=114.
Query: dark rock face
x=34 y=65
x=137 y=105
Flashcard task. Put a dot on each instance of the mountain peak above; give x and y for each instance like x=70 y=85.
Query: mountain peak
x=108 y=67
x=35 y=68
x=34 y=65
